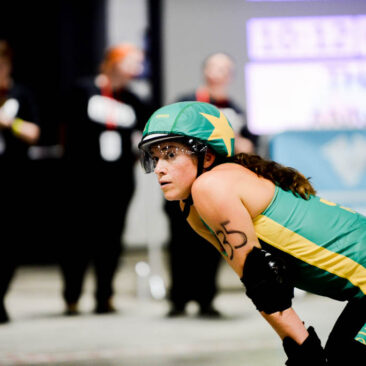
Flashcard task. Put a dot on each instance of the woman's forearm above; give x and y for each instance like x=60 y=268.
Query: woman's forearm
x=26 y=131
x=287 y=324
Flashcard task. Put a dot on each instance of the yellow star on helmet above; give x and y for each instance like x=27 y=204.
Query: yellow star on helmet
x=222 y=130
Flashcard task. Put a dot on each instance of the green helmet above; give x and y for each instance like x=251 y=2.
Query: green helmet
x=200 y=123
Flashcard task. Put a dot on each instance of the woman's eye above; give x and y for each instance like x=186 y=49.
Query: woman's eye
x=171 y=154
x=155 y=160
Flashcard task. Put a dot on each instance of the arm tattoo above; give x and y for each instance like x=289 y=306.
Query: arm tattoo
x=223 y=238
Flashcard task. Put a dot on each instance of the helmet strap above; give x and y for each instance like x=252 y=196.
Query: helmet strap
x=187 y=206
x=189 y=201
x=201 y=160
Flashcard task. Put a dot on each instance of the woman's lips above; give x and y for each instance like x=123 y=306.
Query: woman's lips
x=164 y=184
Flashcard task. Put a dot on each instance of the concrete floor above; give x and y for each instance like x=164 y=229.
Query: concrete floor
x=139 y=334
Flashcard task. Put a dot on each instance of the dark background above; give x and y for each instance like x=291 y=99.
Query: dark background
x=54 y=43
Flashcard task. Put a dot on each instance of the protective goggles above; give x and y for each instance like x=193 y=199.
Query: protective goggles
x=168 y=152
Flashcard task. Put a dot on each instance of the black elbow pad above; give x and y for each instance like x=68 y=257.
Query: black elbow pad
x=267 y=282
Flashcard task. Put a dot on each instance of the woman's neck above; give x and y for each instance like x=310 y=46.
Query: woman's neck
x=108 y=81
x=217 y=92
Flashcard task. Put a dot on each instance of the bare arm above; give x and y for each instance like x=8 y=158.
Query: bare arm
x=24 y=130
x=287 y=324
x=224 y=212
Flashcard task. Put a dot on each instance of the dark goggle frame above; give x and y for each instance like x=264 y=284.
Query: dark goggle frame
x=193 y=146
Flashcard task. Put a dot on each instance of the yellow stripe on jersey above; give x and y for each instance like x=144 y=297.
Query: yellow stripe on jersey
x=292 y=243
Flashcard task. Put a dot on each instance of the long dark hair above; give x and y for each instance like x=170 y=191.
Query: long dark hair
x=289 y=179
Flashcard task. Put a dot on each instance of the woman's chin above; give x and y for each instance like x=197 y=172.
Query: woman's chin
x=170 y=196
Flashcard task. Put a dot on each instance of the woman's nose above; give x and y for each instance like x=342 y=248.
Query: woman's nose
x=160 y=167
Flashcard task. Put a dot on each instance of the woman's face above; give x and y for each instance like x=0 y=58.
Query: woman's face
x=131 y=66
x=218 y=70
x=175 y=168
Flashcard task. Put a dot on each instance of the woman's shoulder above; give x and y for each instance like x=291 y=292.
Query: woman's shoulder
x=231 y=182
x=226 y=172
x=221 y=178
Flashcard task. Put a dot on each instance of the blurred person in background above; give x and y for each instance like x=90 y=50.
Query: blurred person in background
x=103 y=116
x=18 y=113
x=218 y=72
x=18 y=130
x=268 y=224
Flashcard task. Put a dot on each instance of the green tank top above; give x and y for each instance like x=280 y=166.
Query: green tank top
x=324 y=243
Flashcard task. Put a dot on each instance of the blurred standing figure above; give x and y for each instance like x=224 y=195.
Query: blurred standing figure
x=99 y=158
x=199 y=282
x=18 y=130
x=18 y=113
x=218 y=73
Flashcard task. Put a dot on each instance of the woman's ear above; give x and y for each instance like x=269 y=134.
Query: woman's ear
x=209 y=159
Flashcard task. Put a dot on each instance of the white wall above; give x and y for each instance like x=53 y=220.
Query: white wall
x=126 y=21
